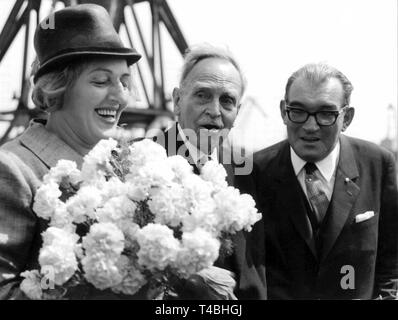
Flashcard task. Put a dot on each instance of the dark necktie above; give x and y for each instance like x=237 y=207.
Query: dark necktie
x=316 y=192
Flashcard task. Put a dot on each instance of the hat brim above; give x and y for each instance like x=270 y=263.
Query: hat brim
x=62 y=59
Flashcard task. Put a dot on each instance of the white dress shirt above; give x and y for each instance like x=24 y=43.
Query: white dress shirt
x=326 y=166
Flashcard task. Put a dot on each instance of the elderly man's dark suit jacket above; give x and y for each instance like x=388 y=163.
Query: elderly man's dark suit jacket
x=250 y=273
x=295 y=268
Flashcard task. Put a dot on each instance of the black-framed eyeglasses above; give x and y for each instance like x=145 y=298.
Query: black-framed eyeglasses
x=323 y=118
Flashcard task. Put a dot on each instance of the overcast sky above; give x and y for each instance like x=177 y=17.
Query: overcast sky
x=271 y=39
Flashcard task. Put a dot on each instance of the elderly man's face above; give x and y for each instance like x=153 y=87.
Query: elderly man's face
x=310 y=141
x=208 y=101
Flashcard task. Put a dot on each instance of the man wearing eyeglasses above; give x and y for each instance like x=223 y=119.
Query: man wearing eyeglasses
x=329 y=201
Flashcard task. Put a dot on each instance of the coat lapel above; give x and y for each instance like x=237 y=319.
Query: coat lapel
x=289 y=188
x=345 y=193
x=47 y=146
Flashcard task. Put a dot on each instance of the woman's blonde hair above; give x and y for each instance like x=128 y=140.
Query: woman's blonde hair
x=48 y=91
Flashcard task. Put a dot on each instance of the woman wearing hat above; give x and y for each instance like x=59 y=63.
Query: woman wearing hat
x=83 y=81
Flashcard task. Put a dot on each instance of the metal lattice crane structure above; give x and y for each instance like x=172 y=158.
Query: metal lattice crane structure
x=154 y=91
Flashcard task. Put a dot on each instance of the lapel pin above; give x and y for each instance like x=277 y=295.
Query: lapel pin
x=346 y=180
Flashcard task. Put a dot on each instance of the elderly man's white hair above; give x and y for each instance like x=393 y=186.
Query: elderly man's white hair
x=199 y=52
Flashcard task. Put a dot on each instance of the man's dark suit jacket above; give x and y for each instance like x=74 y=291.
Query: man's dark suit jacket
x=295 y=268
x=250 y=273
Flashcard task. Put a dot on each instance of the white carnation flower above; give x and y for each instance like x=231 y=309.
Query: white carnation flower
x=137 y=192
x=114 y=187
x=118 y=210
x=96 y=162
x=144 y=151
x=236 y=211
x=130 y=231
x=197 y=190
x=158 y=247
x=169 y=205
x=47 y=199
x=133 y=279
x=82 y=205
x=215 y=173
x=198 y=193
x=101 y=153
x=58 y=252
x=62 y=219
x=31 y=285
x=180 y=166
x=104 y=237
x=152 y=175
x=103 y=246
x=64 y=168
x=102 y=270
x=199 y=251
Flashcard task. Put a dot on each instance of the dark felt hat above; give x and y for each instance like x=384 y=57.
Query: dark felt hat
x=77 y=31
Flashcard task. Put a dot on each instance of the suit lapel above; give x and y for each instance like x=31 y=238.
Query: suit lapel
x=226 y=158
x=289 y=188
x=345 y=193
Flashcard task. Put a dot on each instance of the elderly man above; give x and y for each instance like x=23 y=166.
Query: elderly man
x=206 y=105
x=329 y=202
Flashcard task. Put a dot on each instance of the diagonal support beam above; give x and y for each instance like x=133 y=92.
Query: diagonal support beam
x=12 y=26
x=172 y=26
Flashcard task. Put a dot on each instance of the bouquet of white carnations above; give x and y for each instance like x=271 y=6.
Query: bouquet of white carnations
x=132 y=216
